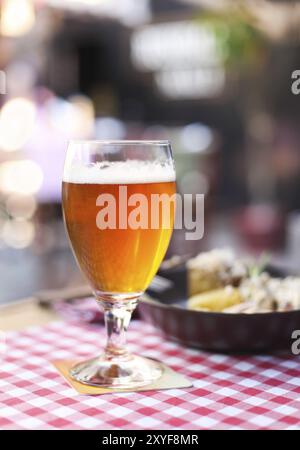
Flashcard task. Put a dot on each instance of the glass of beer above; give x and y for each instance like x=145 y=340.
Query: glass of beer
x=119 y=205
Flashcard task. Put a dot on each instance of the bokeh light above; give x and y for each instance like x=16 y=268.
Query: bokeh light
x=109 y=128
x=196 y=137
x=21 y=206
x=74 y=117
x=18 y=233
x=17 y=119
x=17 y=17
x=20 y=176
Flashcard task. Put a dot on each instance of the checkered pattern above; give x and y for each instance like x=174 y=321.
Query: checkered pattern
x=243 y=392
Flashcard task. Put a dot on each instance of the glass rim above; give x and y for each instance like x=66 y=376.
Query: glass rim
x=163 y=142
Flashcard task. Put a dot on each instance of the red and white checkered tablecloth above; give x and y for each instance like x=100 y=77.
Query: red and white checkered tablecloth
x=243 y=392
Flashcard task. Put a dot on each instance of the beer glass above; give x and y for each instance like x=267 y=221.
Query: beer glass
x=118 y=204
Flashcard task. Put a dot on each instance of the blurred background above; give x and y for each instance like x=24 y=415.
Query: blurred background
x=214 y=77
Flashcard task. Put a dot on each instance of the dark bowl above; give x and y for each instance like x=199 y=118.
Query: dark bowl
x=221 y=332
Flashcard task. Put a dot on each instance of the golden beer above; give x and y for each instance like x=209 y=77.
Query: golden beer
x=116 y=260
x=119 y=205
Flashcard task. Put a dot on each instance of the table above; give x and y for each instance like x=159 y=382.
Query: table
x=229 y=392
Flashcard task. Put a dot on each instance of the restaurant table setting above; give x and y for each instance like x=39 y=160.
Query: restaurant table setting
x=199 y=352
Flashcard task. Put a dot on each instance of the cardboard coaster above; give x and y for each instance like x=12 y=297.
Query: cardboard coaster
x=168 y=380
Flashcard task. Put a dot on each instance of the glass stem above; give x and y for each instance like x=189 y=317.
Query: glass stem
x=117 y=316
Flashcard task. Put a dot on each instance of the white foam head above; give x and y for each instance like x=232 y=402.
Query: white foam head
x=121 y=172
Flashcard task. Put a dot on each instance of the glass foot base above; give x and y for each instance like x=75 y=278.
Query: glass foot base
x=126 y=373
